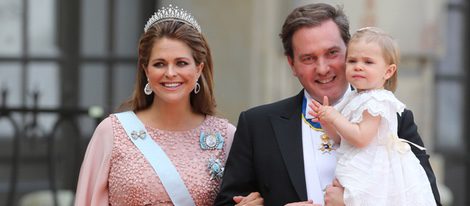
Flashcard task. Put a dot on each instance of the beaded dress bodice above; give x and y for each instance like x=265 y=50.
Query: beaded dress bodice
x=132 y=180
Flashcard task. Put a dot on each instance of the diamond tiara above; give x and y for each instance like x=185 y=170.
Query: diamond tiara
x=171 y=13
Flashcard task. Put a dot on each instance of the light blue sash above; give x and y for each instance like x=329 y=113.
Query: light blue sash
x=154 y=154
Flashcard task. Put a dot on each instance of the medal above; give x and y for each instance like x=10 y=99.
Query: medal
x=215 y=168
x=210 y=141
x=326 y=144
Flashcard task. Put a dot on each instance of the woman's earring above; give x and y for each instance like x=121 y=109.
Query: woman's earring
x=147 y=89
x=197 y=88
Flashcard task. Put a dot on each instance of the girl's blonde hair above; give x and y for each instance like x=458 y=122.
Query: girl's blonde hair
x=389 y=48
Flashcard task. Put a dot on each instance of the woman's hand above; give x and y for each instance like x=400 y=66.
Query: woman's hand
x=252 y=199
x=306 y=203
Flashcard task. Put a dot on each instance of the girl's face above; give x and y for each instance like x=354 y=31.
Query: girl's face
x=172 y=72
x=366 y=67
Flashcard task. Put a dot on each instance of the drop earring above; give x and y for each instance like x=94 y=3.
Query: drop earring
x=197 y=88
x=147 y=89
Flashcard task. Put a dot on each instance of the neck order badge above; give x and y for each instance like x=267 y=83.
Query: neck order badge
x=327 y=145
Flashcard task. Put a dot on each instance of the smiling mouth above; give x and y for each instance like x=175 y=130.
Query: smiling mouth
x=325 y=81
x=172 y=85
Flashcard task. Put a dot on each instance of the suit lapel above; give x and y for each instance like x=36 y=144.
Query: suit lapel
x=288 y=131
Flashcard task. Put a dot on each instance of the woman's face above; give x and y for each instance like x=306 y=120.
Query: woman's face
x=172 y=72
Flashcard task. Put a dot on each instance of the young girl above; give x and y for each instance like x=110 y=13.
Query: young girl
x=375 y=166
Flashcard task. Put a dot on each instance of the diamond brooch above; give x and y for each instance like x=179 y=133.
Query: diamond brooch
x=138 y=134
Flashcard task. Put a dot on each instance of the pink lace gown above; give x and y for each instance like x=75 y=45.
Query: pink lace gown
x=114 y=171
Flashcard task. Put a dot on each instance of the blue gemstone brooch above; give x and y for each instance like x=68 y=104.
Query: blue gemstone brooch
x=216 y=169
x=210 y=141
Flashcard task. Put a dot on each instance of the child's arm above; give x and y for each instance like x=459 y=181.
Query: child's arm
x=331 y=132
x=358 y=134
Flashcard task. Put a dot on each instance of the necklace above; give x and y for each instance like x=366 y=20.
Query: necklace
x=326 y=145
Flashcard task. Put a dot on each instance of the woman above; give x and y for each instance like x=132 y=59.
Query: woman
x=174 y=105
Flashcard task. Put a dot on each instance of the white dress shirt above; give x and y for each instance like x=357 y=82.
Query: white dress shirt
x=319 y=165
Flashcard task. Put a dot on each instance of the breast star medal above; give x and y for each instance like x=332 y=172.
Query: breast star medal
x=216 y=170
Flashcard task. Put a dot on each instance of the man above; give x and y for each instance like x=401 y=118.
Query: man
x=276 y=150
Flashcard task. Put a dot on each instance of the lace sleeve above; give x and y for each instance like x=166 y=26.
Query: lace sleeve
x=377 y=102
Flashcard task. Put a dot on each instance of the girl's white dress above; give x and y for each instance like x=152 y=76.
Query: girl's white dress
x=385 y=172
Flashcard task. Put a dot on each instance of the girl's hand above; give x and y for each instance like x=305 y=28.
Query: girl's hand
x=325 y=113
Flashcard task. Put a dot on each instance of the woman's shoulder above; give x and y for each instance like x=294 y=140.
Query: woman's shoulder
x=105 y=126
x=222 y=123
x=102 y=139
x=104 y=131
x=216 y=119
x=228 y=131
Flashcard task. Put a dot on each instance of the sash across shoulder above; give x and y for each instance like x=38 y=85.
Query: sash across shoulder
x=160 y=162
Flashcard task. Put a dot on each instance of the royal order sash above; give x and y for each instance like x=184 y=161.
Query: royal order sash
x=154 y=154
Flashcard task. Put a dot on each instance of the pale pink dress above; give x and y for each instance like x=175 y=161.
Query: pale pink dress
x=114 y=171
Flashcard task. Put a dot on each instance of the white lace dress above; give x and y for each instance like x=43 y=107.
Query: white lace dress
x=385 y=172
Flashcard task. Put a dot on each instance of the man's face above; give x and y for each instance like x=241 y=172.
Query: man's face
x=319 y=61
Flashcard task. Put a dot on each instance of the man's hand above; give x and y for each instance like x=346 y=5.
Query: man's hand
x=252 y=199
x=334 y=194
